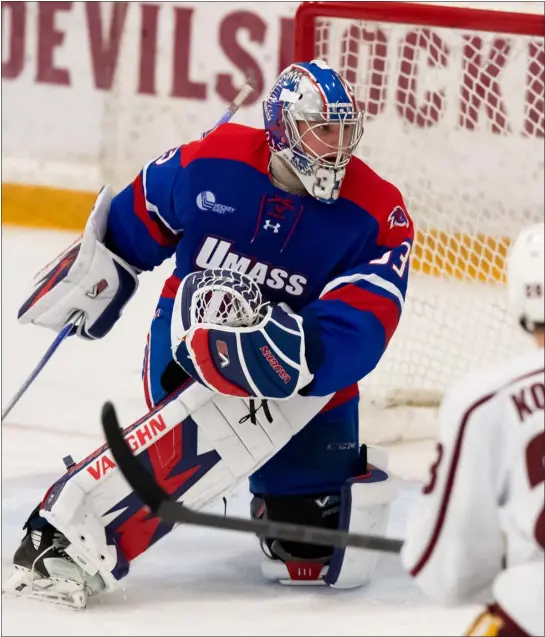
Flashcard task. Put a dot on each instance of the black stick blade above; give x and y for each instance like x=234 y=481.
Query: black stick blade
x=136 y=475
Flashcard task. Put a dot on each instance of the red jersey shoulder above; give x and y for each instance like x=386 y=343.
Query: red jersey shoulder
x=379 y=198
x=233 y=142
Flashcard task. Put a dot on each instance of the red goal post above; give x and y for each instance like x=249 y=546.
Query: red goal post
x=454 y=103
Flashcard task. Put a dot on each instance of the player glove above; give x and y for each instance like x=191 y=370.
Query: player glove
x=263 y=360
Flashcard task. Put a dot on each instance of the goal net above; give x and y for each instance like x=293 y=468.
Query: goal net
x=453 y=102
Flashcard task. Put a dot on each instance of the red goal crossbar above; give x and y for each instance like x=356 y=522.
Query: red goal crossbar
x=410 y=13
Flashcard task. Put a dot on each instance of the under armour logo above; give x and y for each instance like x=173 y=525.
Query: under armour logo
x=274 y=226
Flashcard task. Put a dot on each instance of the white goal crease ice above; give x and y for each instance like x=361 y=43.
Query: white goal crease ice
x=454 y=118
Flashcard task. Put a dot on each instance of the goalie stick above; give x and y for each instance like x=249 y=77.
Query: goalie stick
x=176 y=513
x=64 y=333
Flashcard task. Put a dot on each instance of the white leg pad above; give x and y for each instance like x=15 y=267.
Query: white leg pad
x=365 y=509
x=91 y=497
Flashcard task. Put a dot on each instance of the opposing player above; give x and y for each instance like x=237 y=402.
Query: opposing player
x=292 y=260
x=478 y=532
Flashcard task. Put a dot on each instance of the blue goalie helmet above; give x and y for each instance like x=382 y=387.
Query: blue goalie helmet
x=313 y=123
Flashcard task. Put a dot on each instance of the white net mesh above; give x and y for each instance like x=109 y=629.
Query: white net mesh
x=454 y=118
x=225 y=297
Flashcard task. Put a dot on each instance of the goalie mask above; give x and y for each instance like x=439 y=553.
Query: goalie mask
x=312 y=122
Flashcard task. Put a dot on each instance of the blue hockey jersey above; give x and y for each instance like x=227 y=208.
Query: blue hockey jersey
x=343 y=267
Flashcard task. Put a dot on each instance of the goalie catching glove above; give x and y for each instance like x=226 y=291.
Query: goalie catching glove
x=225 y=337
x=86 y=278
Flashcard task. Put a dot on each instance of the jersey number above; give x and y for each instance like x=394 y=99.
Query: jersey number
x=166 y=156
x=535 y=463
x=399 y=258
x=329 y=182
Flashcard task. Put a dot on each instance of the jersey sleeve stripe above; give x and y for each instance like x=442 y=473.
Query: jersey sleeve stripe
x=170 y=288
x=159 y=233
x=373 y=279
x=152 y=207
x=385 y=309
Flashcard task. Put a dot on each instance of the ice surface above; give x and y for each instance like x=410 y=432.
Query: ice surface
x=194 y=582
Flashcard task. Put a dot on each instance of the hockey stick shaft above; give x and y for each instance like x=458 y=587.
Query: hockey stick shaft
x=176 y=513
x=237 y=102
x=66 y=330
x=233 y=107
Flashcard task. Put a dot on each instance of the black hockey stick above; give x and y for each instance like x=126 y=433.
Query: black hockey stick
x=175 y=512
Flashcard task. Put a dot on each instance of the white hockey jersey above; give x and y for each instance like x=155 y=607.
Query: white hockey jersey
x=476 y=534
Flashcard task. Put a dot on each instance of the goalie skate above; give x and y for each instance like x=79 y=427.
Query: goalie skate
x=24 y=582
x=43 y=570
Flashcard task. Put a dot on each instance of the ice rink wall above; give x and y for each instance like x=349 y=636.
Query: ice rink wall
x=93 y=90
